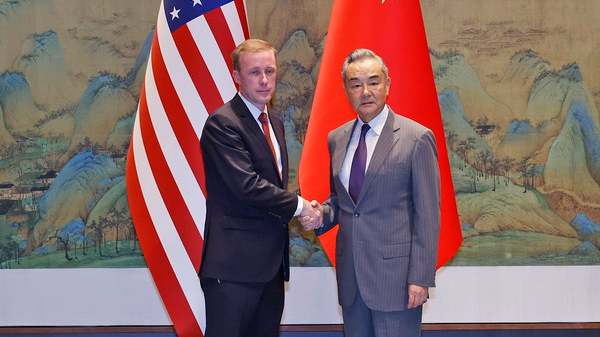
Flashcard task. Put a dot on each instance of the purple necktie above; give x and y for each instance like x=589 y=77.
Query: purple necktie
x=359 y=163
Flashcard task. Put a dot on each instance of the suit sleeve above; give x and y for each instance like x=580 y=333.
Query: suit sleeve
x=426 y=203
x=330 y=206
x=223 y=146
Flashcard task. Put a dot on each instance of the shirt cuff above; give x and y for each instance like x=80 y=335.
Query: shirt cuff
x=300 y=206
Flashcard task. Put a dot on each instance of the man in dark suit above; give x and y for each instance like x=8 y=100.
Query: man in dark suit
x=385 y=195
x=245 y=255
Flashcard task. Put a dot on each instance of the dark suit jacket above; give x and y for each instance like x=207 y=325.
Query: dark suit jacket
x=388 y=238
x=248 y=207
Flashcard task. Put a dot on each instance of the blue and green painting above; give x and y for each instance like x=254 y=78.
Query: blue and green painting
x=70 y=78
x=518 y=100
x=519 y=90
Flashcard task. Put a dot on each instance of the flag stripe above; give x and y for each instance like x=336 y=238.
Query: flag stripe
x=186 y=78
x=186 y=91
x=177 y=163
x=176 y=254
x=196 y=67
x=177 y=116
x=234 y=23
x=171 y=196
x=219 y=70
x=175 y=301
x=222 y=36
x=241 y=11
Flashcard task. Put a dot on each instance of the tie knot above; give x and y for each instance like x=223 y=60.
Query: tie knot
x=365 y=128
x=263 y=118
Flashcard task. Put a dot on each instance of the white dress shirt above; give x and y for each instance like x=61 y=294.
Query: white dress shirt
x=371 y=139
x=256 y=113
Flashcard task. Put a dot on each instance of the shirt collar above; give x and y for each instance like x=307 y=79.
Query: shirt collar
x=376 y=123
x=253 y=109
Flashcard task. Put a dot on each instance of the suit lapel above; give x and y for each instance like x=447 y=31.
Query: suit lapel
x=340 y=151
x=279 y=130
x=246 y=117
x=385 y=144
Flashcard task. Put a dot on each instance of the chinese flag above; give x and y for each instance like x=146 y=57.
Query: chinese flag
x=394 y=30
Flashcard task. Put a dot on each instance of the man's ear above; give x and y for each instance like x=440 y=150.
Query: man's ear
x=344 y=88
x=236 y=76
x=389 y=83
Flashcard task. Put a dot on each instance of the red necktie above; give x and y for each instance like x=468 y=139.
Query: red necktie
x=265 y=126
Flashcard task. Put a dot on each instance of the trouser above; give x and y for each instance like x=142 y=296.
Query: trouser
x=360 y=321
x=243 y=309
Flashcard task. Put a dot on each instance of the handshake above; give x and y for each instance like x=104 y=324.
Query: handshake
x=311 y=216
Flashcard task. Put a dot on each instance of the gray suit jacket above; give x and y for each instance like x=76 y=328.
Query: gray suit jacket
x=389 y=238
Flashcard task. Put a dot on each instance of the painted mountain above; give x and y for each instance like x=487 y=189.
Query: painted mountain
x=70 y=78
x=526 y=181
x=517 y=85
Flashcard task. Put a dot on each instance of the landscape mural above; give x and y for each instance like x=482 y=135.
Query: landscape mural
x=70 y=78
x=518 y=85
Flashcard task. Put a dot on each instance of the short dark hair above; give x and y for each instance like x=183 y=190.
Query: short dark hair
x=250 y=45
x=359 y=55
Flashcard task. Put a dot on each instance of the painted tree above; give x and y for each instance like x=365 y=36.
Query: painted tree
x=486 y=157
x=70 y=235
x=494 y=168
x=104 y=223
x=117 y=219
x=301 y=126
x=98 y=230
x=461 y=149
x=84 y=244
x=13 y=248
x=477 y=158
x=451 y=138
x=533 y=173
x=523 y=167
x=131 y=229
x=465 y=147
x=472 y=173
x=471 y=141
x=507 y=164
x=5 y=256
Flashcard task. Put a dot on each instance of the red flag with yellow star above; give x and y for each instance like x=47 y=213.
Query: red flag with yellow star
x=394 y=30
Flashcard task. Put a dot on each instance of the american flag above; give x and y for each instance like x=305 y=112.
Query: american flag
x=188 y=76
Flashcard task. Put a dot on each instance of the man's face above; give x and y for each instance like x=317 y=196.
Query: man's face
x=257 y=77
x=367 y=88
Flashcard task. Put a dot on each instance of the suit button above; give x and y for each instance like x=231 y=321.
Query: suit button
x=356 y=214
x=284 y=225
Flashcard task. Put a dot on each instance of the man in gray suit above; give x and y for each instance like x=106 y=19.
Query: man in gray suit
x=385 y=194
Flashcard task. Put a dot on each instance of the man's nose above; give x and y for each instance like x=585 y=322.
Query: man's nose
x=365 y=91
x=264 y=79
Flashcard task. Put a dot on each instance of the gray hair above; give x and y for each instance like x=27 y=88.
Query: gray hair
x=362 y=54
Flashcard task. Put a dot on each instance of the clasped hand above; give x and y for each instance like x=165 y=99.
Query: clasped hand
x=311 y=216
